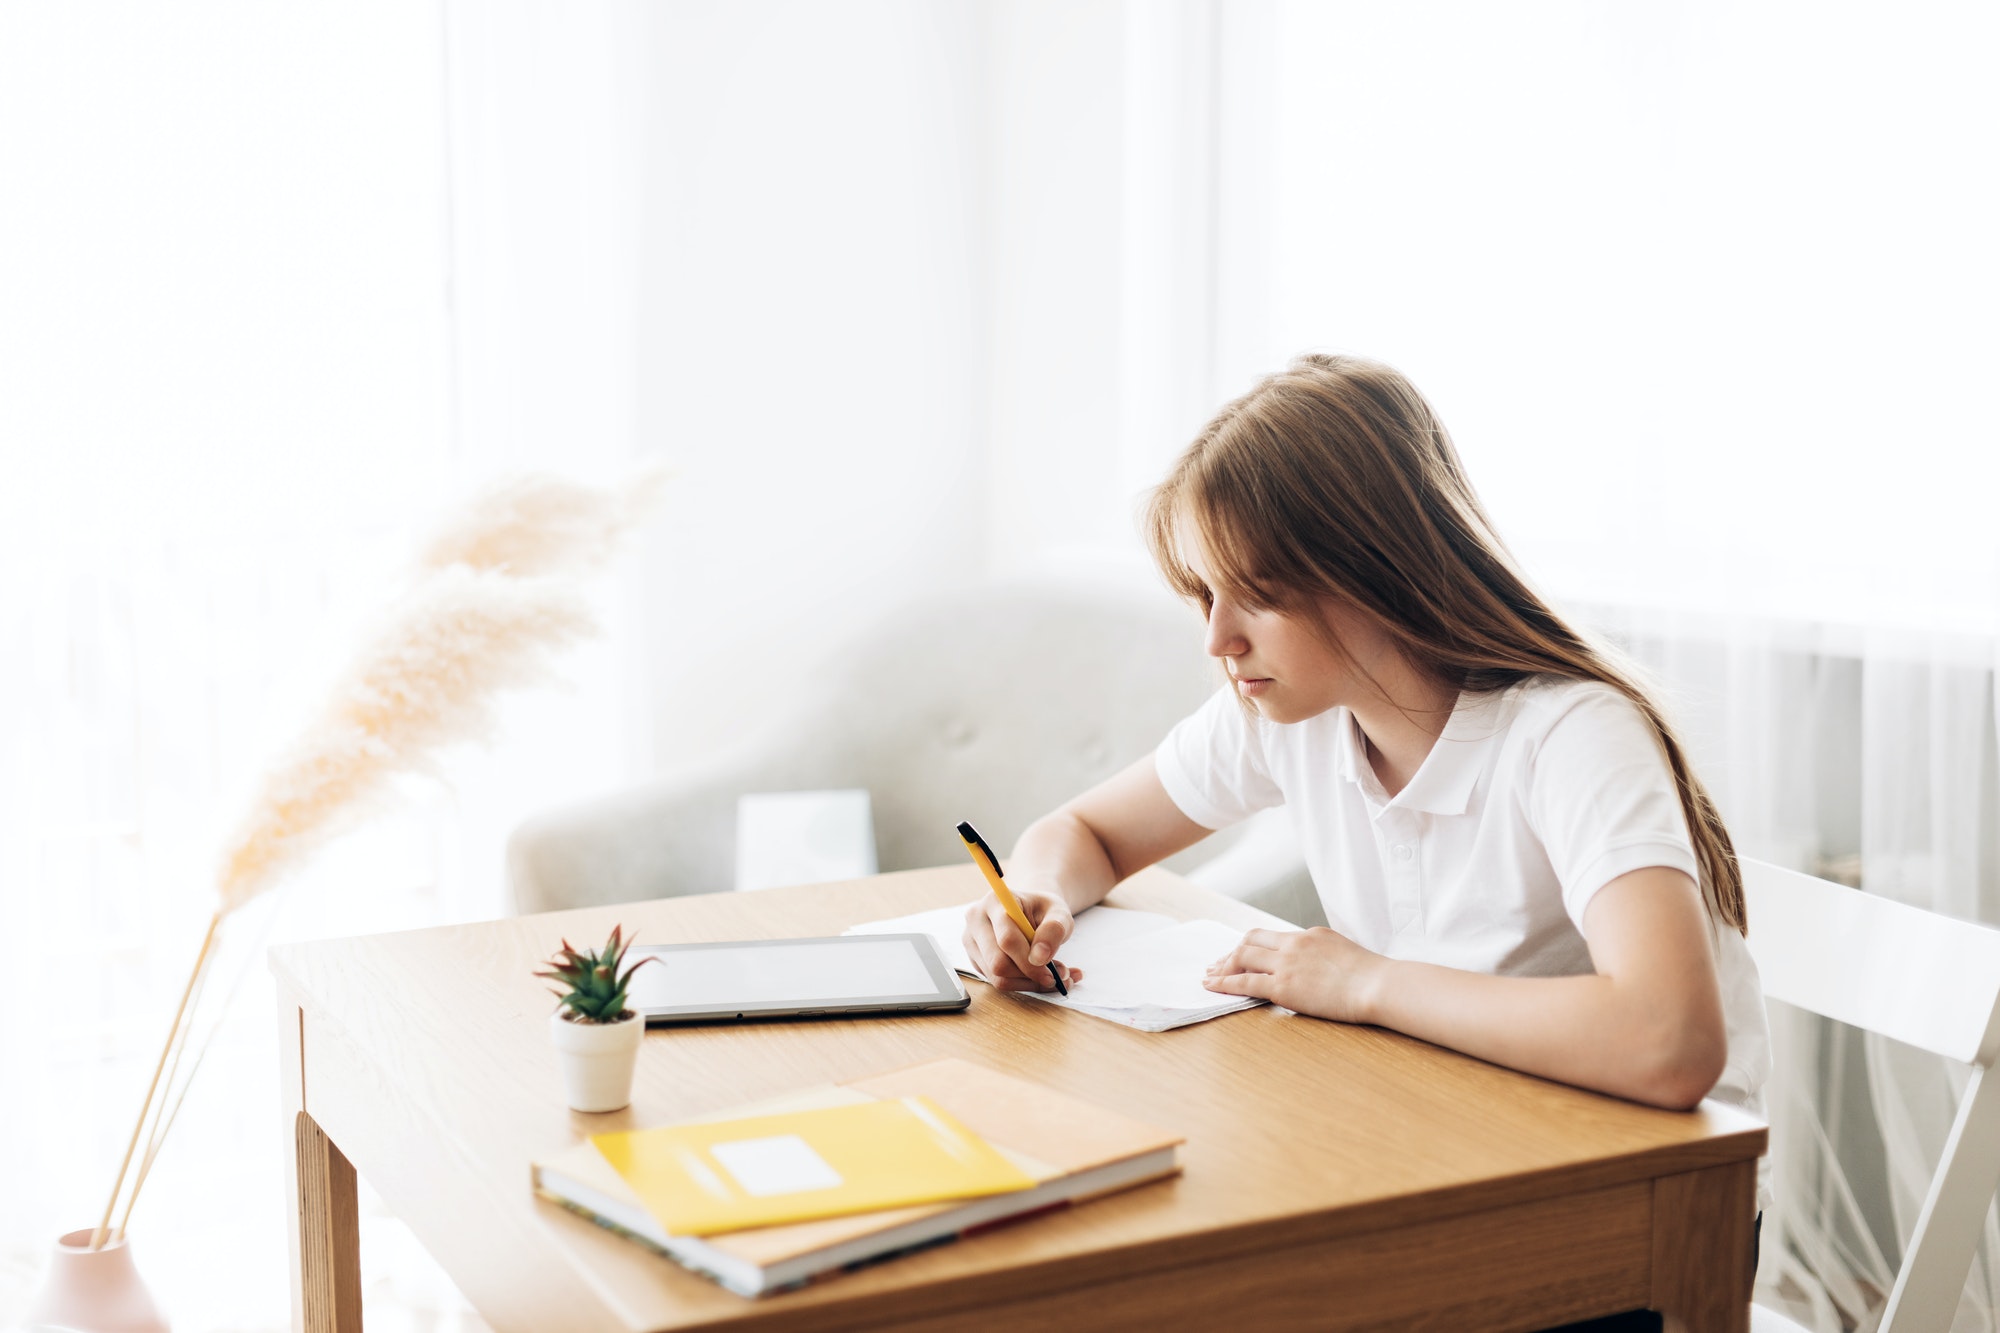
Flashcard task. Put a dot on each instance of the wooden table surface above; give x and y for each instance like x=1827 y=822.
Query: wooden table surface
x=1335 y=1176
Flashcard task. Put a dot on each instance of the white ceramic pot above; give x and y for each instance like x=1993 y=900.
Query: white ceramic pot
x=94 y=1290
x=597 y=1060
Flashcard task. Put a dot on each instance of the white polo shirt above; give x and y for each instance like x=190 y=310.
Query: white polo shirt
x=1533 y=799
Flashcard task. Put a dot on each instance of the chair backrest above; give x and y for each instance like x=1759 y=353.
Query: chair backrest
x=1875 y=963
x=1920 y=978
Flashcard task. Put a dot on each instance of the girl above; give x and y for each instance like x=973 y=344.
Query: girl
x=1514 y=856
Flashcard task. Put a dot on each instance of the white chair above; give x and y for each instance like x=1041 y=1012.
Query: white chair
x=1923 y=979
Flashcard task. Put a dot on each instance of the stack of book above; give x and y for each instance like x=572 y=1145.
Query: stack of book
x=770 y=1196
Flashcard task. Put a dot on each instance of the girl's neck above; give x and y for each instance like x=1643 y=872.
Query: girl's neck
x=1400 y=723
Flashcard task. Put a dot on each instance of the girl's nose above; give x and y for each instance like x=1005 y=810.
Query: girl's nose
x=1223 y=639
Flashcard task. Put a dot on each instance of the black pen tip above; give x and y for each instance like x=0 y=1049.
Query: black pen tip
x=1060 y=988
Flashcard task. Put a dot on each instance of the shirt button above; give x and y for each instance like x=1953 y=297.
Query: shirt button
x=1403 y=852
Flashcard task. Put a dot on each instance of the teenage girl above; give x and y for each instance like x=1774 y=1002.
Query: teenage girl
x=1515 y=858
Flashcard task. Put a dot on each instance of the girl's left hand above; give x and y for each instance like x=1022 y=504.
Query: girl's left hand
x=1318 y=971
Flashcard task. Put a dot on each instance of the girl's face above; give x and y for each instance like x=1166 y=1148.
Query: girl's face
x=1279 y=662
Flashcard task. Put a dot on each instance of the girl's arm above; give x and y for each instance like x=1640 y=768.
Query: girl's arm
x=1067 y=861
x=1647 y=1025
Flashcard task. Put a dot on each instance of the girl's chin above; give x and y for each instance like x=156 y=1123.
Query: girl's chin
x=1284 y=711
x=1271 y=710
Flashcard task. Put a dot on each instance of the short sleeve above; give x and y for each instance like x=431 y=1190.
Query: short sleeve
x=1603 y=801
x=1213 y=765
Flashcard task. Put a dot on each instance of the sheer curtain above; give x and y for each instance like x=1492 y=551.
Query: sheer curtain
x=232 y=239
x=1705 y=293
x=221 y=350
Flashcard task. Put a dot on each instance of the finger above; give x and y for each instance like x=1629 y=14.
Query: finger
x=976 y=935
x=985 y=951
x=1267 y=939
x=1069 y=975
x=1261 y=985
x=1010 y=940
x=1245 y=958
x=1051 y=934
x=1038 y=980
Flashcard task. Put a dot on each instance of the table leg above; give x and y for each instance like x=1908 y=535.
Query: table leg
x=323 y=1216
x=1701 y=1248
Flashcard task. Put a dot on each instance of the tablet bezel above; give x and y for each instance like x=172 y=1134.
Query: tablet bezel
x=949 y=996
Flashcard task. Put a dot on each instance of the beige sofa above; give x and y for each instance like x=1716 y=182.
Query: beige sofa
x=995 y=705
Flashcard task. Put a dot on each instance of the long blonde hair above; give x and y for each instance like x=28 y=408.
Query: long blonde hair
x=1334 y=478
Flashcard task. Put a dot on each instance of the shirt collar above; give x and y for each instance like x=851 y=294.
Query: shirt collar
x=1444 y=781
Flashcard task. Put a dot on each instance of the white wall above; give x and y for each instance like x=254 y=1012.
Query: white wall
x=811 y=331
x=547 y=119
x=1703 y=290
x=1101 y=270
x=893 y=305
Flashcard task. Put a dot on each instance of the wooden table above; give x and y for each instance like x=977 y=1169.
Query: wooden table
x=1335 y=1177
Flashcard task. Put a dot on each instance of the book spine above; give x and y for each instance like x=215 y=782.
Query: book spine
x=727 y=1281
x=981 y=1228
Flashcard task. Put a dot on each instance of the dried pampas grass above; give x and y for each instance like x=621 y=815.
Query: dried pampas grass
x=424 y=682
x=494 y=601
x=543 y=525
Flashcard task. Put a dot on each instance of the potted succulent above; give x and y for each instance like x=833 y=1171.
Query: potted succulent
x=596 y=1036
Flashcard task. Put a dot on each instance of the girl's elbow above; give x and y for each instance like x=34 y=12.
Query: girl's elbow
x=1687 y=1067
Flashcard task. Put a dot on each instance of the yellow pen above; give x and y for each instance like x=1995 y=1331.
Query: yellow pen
x=988 y=863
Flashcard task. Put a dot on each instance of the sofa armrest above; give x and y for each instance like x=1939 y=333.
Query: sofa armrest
x=662 y=840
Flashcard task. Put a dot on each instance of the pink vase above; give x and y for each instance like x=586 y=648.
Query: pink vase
x=94 y=1291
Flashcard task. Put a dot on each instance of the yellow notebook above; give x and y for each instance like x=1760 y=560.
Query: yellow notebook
x=703 y=1179
x=1073 y=1149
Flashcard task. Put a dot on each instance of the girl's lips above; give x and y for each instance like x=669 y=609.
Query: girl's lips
x=1253 y=686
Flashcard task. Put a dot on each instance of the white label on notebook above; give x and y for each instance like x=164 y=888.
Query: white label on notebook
x=781 y=1164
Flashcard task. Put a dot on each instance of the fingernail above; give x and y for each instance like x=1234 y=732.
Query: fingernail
x=1039 y=955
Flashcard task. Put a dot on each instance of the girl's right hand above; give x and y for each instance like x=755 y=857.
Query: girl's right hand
x=1010 y=961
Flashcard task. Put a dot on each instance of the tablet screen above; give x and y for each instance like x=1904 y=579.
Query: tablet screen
x=790 y=976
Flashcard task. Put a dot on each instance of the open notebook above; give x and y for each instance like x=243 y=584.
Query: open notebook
x=1139 y=968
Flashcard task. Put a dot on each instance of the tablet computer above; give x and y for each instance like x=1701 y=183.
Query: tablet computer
x=840 y=976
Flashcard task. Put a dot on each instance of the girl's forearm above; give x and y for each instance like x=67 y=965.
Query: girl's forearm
x=1583 y=1030
x=1059 y=854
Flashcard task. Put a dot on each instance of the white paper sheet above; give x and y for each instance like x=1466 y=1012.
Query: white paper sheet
x=1162 y=968
x=1140 y=969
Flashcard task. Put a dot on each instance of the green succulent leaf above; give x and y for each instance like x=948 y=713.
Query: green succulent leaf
x=597 y=984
